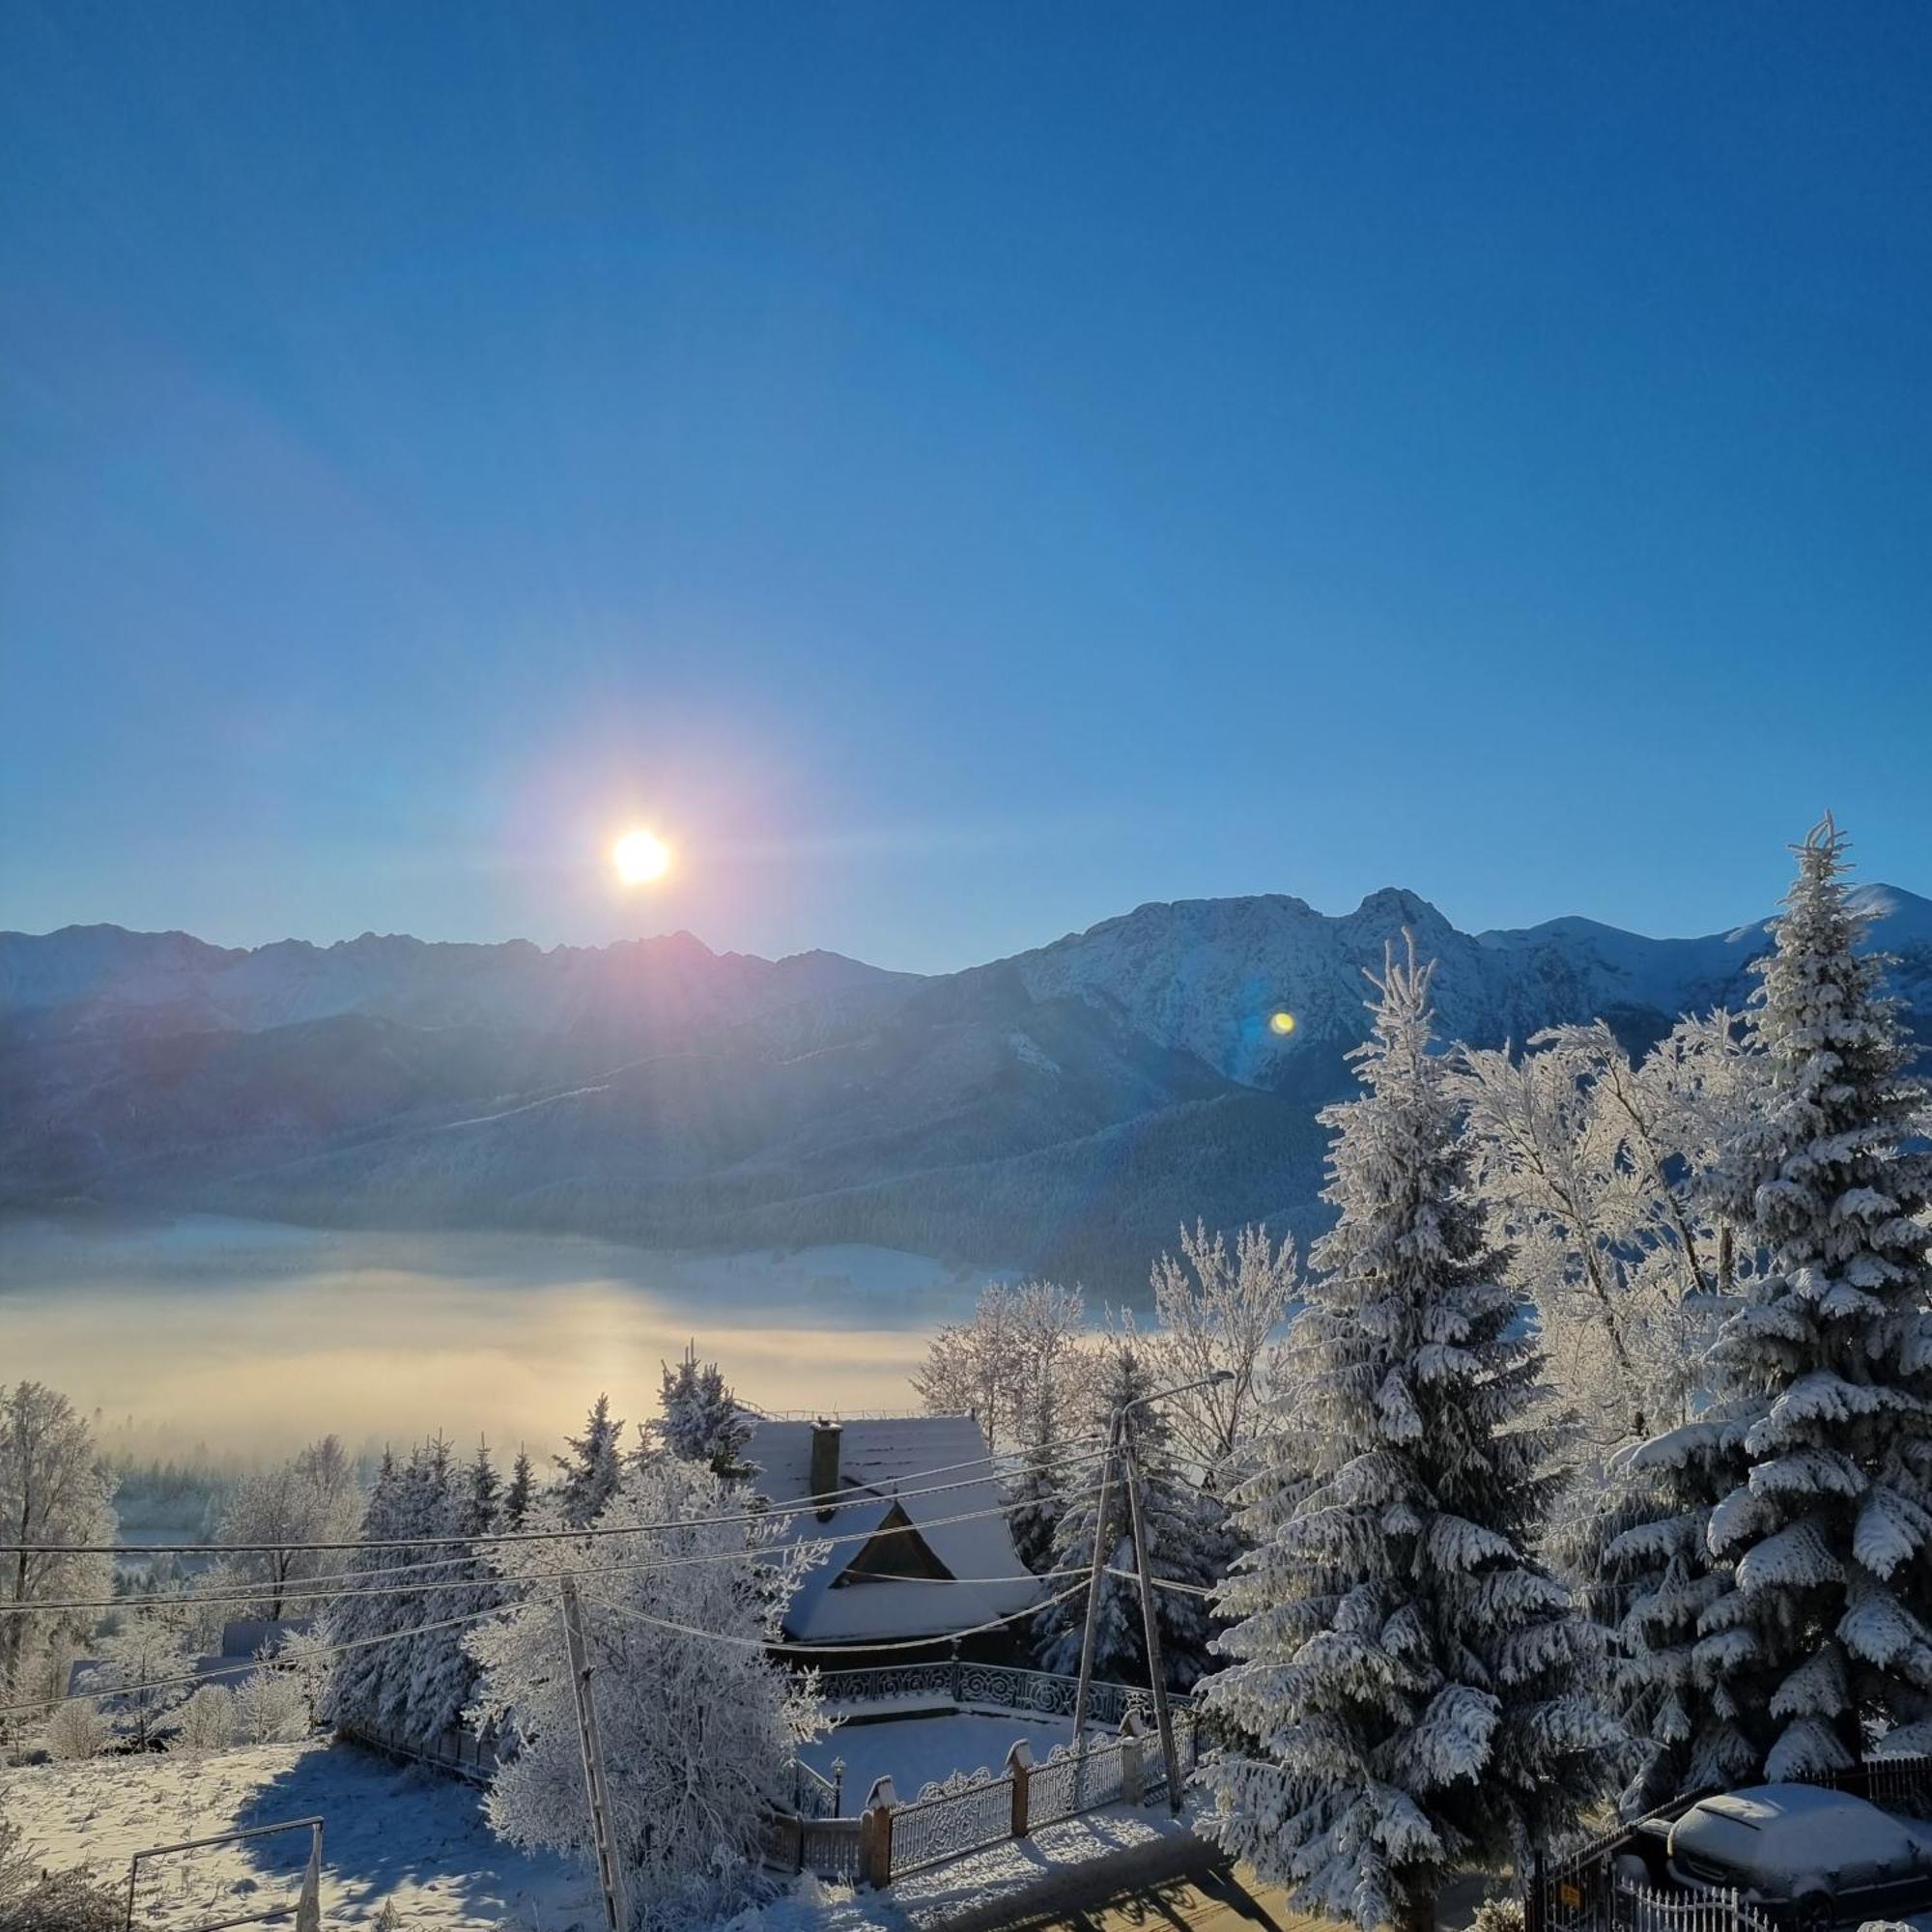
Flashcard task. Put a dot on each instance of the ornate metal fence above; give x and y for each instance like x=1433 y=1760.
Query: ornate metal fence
x=1642 y=1908
x=967 y=1810
x=1067 y=1784
x=1038 y=1694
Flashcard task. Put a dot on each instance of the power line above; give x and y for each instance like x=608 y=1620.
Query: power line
x=820 y=1649
x=345 y=1646
x=853 y=1497
x=197 y=1677
x=302 y=1589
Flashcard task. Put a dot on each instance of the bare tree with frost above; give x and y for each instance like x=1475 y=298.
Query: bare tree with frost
x=53 y=1489
x=1222 y=1308
x=700 y=1727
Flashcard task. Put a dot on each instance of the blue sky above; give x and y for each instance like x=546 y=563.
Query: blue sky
x=957 y=472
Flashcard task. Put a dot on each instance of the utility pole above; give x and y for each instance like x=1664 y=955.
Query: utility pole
x=1093 y=1595
x=608 y=1878
x=1156 y=1671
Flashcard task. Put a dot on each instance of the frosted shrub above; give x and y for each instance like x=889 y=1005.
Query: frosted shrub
x=207 y=1720
x=269 y=1709
x=1498 y=1914
x=77 y=1731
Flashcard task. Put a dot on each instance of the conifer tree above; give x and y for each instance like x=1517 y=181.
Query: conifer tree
x=517 y=1497
x=1180 y=1530
x=587 y=1477
x=481 y=1505
x=1822 y=1642
x=701 y=1420
x=1404 y=1691
x=1035 y=1493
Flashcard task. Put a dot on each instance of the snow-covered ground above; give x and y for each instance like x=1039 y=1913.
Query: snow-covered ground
x=389 y=1833
x=400 y=1837
x=917 y=1750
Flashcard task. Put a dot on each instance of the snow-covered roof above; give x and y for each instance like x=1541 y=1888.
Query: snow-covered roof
x=886 y=1457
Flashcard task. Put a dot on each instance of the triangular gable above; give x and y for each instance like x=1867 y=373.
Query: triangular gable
x=894 y=1553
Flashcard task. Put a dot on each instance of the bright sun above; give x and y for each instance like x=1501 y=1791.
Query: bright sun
x=639 y=858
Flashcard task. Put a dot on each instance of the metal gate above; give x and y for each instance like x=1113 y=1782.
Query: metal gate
x=305 y=1910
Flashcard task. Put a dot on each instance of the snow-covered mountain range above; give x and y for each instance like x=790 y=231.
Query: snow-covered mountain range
x=1063 y=1109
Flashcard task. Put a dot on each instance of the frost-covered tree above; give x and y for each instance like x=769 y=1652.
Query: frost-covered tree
x=1023 y=1346
x=308 y=1656
x=1403 y=1696
x=1592 y=1171
x=481 y=1506
x=313 y=1498
x=75 y=1731
x=1185 y=1531
x=521 y=1489
x=404 y=1686
x=1035 y=1491
x=701 y=1420
x=1590 y=1166
x=136 y=1669
x=586 y=1478
x=206 y=1721
x=1052 y=1374
x=1821 y=1643
x=1222 y=1310
x=53 y=1489
x=699 y=1729
x=270 y=1707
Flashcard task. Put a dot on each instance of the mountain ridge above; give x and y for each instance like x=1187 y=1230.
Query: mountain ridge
x=1065 y=1108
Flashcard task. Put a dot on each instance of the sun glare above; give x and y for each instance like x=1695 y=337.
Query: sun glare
x=639 y=858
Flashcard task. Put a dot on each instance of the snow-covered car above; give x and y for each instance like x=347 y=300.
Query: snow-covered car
x=1819 y=1854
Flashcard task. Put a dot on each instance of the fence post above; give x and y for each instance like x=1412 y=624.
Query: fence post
x=955 y=1670
x=839 y=1787
x=1019 y=1768
x=1133 y=1779
x=875 y=1843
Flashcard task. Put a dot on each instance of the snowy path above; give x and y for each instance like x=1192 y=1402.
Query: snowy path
x=390 y=1834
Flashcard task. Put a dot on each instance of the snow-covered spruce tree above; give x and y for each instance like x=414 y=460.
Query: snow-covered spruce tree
x=517 y=1498
x=442 y=1677
x=1405 y=1685
x=401 y=1685
x=1186 y=1535
x=701 y=1420
x=1035 y=1491
x=699 y=1729
x=1823 y=1642
x=586 y=1478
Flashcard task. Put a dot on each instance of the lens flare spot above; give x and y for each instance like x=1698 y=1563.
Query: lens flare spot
x=1282 y=1022
x=640 y=857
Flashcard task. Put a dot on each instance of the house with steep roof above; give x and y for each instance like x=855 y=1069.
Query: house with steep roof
x=907 y=1564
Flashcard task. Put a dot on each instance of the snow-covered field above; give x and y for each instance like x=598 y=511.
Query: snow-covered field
x=389 y=1835
x=393 y=1835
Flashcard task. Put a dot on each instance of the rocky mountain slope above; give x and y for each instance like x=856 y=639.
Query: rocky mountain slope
x=1065 y=1109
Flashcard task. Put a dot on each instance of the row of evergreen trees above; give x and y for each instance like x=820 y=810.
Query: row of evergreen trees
x=417 y=1525
x=1412 y=1687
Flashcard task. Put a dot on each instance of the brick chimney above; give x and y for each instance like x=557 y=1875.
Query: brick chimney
x=825 y=1460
